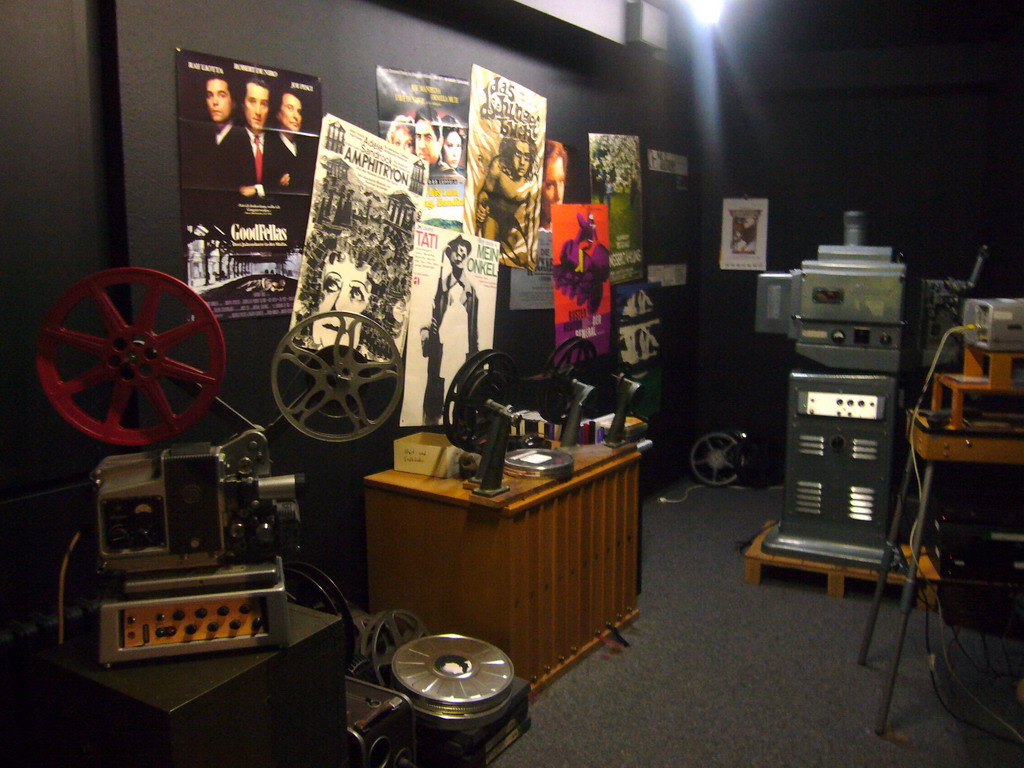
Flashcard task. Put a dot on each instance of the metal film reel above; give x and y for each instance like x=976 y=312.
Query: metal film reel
x=487 y=375
x=572 y=359
x=308 y=586
x=105 y=373
x=454 y=682
x=380 y=635
x=337 y=393
x=713 y=458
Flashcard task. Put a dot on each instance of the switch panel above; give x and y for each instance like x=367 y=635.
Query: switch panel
x=842 y=405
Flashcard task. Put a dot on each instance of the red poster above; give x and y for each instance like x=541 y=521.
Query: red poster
x=581 y=267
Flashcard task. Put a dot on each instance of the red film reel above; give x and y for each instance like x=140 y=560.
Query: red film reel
x=90 y=375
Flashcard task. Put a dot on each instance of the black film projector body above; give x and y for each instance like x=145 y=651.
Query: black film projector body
x=478 y=413
x=191 y=536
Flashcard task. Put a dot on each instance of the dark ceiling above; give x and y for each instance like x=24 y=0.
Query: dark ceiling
x=829 y=25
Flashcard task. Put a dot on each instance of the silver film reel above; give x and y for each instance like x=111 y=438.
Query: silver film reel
x=454 y=682
x=336 y=391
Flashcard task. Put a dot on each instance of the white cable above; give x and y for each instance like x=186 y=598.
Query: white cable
x=681 y=499
x=945 y=655
x=914 y=556
x=60 y=586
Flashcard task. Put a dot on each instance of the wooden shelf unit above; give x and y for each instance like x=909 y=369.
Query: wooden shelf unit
x=540 y=571
x=984 y=373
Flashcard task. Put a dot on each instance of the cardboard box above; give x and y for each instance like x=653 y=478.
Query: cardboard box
x=427 y=453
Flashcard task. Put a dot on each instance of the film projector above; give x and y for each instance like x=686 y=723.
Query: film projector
x=845 y=312
x=191 y=537
x=479 y=413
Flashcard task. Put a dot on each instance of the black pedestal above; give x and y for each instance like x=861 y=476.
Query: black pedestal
x=268 y=708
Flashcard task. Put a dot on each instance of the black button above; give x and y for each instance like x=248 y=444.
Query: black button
x=235 y=624
x=178 y=615
x=246 y=608
x=190 y=629
x=223 y=611
x=201 y=613
x=213 y=626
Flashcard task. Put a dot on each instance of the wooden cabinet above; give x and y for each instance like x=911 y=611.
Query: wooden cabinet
x=539 y=571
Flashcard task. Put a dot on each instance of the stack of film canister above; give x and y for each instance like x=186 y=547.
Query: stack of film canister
x=469 y=704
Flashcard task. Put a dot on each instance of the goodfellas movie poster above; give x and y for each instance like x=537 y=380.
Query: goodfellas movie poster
x=247 y=138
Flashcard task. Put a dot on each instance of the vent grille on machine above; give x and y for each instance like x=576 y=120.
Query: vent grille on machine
x=812 y=445
x=862 y=503
x=865 y=449
x=808 y=497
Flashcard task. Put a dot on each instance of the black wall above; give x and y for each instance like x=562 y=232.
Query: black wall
x=127 y=76
x=910 y=111
x=820 y=107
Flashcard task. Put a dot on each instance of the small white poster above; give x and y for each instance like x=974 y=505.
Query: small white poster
x=534 y=289
x=744 y=234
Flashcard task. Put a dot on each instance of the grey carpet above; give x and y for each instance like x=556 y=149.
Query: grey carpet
x=722 y=673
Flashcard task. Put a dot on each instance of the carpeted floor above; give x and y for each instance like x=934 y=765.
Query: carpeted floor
x=722 y=673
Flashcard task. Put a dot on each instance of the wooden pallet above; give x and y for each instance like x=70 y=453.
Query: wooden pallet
x=756 y=559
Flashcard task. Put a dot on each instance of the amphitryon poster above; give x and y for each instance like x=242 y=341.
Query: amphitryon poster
x=504 y=166
x=451 y=315
x=358 y=254
x=615 y=181
x=247 y=136
x=582 y=292
x=428 y=115
x=638 y=342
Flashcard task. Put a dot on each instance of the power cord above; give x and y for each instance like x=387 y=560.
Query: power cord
x=683 y=498
x=686 y=493
x=1018 y=739
x=914 y=556
x=60 y=586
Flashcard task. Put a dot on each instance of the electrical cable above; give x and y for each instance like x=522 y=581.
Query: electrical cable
x=686 y=493
x=1019 y=739
x=60 y=586
x=914 y=556
x=915 y=562
x=684 y=497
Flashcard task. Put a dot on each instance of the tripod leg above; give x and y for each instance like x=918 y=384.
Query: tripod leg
x=888 y=556
x=906 y=600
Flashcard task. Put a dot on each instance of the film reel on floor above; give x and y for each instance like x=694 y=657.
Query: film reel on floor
x=454 y=682
x=338 y=392
x=713 y=458
x=106 y=369
x=308 y=586
x=378 y=636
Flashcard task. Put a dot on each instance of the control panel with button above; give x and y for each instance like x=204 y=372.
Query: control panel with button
x=842 y=406
x=150 y=626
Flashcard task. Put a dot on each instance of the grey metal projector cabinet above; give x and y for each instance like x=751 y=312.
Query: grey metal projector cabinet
x=839 y=438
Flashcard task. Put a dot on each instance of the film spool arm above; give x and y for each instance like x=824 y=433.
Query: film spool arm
x=492 y=461
x=627 y=389
x=571 y=427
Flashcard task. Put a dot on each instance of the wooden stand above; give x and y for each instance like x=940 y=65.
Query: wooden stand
x=540 y=571
x=1001 y=442
x=755 y=559
x=985 y=372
